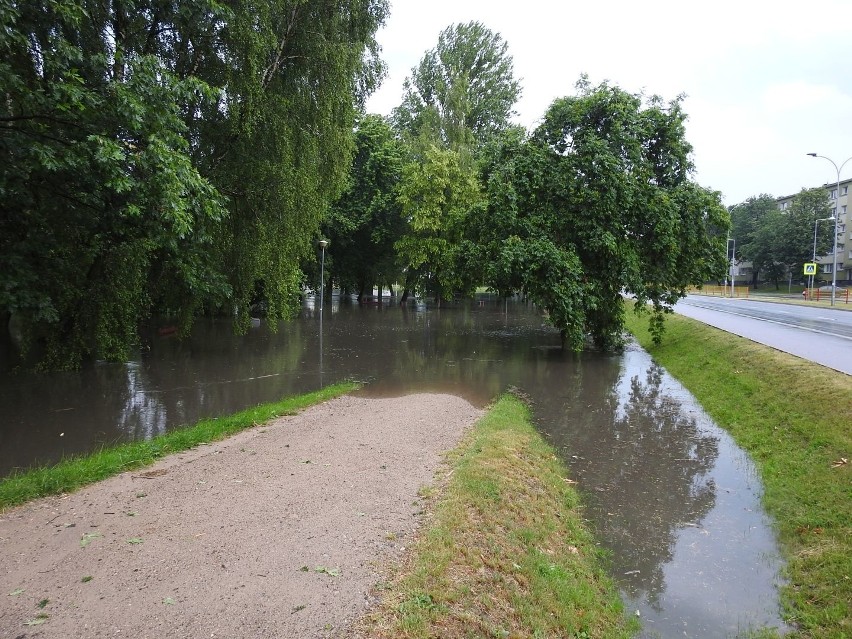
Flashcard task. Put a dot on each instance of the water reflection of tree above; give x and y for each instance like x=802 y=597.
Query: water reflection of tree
x=474 y=352
x=642 y=460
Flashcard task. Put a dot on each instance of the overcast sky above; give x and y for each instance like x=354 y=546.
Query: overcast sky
x=765 y=81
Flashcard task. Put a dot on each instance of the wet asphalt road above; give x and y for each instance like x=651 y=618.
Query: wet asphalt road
x=821 y=335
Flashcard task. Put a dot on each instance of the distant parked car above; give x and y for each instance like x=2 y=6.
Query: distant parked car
x=827 y=289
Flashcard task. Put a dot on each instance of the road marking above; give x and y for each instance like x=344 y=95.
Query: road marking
x=771 y=321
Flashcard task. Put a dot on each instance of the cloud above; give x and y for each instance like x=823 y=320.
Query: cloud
x=764 y=78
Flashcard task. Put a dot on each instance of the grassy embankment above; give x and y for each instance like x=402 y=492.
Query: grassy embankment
x=795 y=420
x=504 y=552
x=74 y=473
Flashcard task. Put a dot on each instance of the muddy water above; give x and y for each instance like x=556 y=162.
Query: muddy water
x=671 y=496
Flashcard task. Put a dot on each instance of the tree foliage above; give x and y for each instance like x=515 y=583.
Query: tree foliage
x=366 y=221
x=458 y=97
x=463 y=91
x=436 y=194
x=747 y=221
x=779 y=242
x=166 y=156
x=597 y=203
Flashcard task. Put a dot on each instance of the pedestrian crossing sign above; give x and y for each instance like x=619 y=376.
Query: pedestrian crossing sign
x=810 y=268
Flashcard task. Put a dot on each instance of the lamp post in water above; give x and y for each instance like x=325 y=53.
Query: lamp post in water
x=323 y=244
x=836 y=220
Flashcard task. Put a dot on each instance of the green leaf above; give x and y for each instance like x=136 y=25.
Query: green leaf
x=87 y=538
x=40 y=619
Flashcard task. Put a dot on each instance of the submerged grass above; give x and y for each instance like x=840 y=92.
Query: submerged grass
x=505 y=552
x=71 y=474
x=795 y=420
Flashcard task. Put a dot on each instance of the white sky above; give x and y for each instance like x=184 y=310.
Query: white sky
x=765 y=81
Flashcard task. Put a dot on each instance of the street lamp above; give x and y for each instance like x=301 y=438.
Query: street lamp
x=323 y=244
x=836 y=220
x=816 y=224
x=731 y=267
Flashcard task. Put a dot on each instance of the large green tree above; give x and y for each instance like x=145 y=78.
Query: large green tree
x=301 y=73
x=437 y=193
x=747 y=218
x=598 y=202
x=797 y=240
x=460 y=96
x=463 y=91
x=168 y=156
x=779 y=242
x=367 y=220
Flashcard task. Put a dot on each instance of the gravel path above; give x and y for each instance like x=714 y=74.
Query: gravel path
x=279 y=531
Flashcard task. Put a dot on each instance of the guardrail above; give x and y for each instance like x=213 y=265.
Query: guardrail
x=817 y=295
x=720 y=291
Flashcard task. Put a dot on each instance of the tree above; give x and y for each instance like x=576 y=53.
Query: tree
x=779 y=242
x=159 y=156
x=463 y=90
x=436 y=194
x=300 y=73
x=597 y=203
x=97 y=182
x=747 y=219
x=796 y=244
x=458 y=97
x=366 y=221
x=767 y=246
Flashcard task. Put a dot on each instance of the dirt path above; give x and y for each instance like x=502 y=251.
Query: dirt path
x=277 y=532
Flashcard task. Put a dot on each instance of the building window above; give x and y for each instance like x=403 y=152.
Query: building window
x=833 y=194
x=841 y=228
x=826 y=268
x=844 y=190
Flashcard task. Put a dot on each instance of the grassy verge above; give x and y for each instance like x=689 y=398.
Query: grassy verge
x=505 y=552
x=76 y=472
x=793 y=417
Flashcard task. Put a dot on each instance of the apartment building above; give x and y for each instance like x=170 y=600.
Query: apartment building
x=840 y=205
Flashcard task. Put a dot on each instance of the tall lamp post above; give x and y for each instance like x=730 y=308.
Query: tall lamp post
x=816 y=224
x=836 y=220
x=323 y=244
x=731 y=267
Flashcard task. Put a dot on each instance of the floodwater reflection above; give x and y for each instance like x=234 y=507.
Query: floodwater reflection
x=671 y=496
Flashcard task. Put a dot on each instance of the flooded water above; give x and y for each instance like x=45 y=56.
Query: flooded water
x=668 y=492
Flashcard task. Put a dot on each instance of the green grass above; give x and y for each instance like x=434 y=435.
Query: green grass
x=795 y=420
x=505 y=552
x=72 y=474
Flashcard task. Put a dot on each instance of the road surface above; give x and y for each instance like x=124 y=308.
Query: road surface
x=821 y=335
